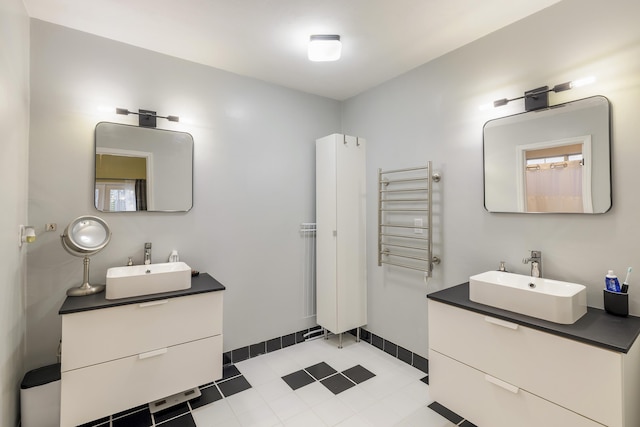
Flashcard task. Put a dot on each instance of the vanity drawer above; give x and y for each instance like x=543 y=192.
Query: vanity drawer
x=552 y=367
x=97 y=336
x=97 y=391
x=488 y=401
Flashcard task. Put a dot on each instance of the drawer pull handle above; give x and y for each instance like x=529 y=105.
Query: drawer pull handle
x=509 y=387
x=152 y=303
x=502 y=323
x=153 y=353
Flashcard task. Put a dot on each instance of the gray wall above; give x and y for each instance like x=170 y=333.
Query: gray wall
x=254 y=175
x=431 y=113
x=14 y=143
x=254 y=168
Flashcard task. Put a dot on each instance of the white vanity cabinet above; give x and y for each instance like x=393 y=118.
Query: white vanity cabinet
x=116 y=357
x=341 y=287
x=499 y=373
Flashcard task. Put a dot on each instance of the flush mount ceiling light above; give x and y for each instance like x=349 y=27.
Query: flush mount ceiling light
x=324 y=47
x=538 y=98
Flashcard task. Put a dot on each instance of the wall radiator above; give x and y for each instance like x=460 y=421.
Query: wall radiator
x=308 y=234
x=405 y=237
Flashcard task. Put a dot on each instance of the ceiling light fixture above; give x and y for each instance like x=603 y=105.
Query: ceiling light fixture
x=324 y=47
x=538 y=98
x=147 y=118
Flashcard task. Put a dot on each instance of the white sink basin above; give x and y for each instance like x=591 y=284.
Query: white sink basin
x=552 y=300
x=136 y=280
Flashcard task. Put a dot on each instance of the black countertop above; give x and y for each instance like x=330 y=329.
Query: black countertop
x=199 y=284
x=597 y=327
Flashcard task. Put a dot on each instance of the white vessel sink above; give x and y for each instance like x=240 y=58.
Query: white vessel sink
x=552 y=300
x=136 y=280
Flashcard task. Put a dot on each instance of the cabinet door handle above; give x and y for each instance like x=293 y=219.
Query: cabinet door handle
x=509 y=387
x=153 y=353
x=152 y=303
x=502 y=323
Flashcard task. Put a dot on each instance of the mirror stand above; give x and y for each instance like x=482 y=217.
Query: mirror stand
x=85 y=288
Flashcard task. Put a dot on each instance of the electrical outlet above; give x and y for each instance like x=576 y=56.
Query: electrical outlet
x=417 y=222
x=50 y=226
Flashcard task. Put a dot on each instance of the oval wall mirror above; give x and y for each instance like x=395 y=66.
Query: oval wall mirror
x=85 y=236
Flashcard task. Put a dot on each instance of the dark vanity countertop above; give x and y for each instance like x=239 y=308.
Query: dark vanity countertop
x=597 y=327
x=199 y=284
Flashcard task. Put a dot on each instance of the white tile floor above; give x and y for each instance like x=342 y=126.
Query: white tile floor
x=394 y=397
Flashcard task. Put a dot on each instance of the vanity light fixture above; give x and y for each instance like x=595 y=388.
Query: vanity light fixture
x=324 y=47
x=147 y=118
x=536 y=99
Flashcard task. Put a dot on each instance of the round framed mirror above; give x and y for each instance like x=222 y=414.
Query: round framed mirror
x=83 y=237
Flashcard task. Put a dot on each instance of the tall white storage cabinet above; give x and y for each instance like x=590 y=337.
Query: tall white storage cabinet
x=341 y=233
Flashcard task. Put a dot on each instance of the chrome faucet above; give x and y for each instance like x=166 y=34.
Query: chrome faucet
x=536 y=263
x=147 y=253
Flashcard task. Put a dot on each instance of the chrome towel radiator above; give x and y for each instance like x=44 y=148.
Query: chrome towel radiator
x=405 y=237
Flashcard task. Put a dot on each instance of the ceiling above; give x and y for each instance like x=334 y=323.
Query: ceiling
x=266 y=39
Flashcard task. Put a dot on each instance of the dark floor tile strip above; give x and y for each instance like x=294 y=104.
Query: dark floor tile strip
x=445 y=412
x=466 y=423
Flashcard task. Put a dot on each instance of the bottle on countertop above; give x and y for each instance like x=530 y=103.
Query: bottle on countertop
x=611 y=282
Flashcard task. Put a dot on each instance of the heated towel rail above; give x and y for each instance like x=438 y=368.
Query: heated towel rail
x=405 y=237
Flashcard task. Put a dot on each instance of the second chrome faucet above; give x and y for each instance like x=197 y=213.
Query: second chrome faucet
x=536 y=263
x=147 y=253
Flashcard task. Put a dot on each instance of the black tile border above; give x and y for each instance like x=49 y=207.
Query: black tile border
x=393 y=349
x=284 y=341
x=446 y=412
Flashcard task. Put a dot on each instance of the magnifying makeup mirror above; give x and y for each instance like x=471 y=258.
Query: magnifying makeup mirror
x=83 y=237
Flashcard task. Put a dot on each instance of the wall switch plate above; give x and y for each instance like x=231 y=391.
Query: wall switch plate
x=417 y=222
x=50 y=226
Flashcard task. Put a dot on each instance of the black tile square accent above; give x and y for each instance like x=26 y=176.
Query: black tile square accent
x=390 y=348
x=421 y=363
x=257 y=349
x=300 y=336
x=184 y=421
x=273 y=345
x=358 y=374
x=425 y=380
x=447 y=413
x=337 y=383
x=315 y=328
x=405 y=355
x=99 y=422
x=140 y=418
x=209 y=395
x=376 y=341
x=288 y=340
x=466 y=423
x=229 y=371
x=239 y=354
x=233 y=386
x=365 y=335
x=298 y=379
x=226 y=358
x=172 y=412
x=320 y=370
